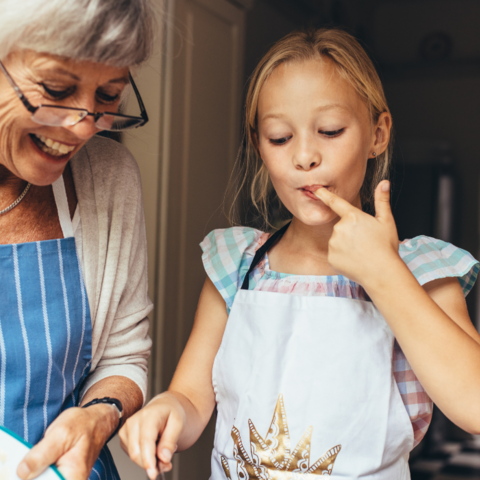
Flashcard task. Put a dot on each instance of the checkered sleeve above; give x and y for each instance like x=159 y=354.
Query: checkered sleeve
x=428 y=259
x=227 y=255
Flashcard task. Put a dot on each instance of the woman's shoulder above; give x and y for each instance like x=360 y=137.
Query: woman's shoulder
x=430 y=259
x=106 y=169
x=109 y=154
x=227 y=255
x=106 y=159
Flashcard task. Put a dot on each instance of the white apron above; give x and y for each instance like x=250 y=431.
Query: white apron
x=304 y=387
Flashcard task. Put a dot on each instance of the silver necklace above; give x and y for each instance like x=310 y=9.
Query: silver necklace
x=17 y=201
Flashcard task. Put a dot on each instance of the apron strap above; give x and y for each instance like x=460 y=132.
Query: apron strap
x=260 y=253
x=61 y=200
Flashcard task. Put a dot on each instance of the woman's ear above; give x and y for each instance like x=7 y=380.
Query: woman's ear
x=381 y=134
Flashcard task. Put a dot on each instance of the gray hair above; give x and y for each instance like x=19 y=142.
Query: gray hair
x=114 y=32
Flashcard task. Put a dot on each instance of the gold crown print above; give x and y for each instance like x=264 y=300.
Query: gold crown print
x=272 y=458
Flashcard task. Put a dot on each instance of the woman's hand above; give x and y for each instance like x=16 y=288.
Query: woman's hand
x=163 y=417
x=362 y=246
x=72 y=442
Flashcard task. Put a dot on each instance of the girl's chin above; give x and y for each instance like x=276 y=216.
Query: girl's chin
x=317 y=219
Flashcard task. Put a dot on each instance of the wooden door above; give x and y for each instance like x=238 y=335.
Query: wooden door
x=206 y=72
x=192 y=90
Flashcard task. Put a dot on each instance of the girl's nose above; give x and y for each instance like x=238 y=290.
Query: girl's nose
x=307 y=157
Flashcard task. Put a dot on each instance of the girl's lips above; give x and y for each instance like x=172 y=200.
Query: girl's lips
x=310 y=194
x=309 y=190
x=312 y=188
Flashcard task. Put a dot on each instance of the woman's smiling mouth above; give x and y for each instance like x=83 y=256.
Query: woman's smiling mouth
x=51 y=147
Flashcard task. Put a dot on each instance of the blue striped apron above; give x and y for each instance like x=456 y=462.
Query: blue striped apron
x=45 y=334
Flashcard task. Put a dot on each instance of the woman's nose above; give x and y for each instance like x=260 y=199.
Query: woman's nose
x=307 y=156
x=85 y=129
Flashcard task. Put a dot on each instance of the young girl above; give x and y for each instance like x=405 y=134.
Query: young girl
x=307 y=341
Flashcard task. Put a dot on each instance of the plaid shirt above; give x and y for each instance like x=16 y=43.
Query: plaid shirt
x=228 y=253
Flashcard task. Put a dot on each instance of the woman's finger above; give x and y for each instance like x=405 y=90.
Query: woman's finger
x=340 y=206
x=383 y=211
x=73 y=466
x=40 y=457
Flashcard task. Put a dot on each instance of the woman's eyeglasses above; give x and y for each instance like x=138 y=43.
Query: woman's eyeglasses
x=57 y=116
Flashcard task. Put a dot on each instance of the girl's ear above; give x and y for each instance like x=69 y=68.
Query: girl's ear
x=381 y=134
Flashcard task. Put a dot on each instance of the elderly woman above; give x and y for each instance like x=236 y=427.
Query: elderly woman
x=73 y=289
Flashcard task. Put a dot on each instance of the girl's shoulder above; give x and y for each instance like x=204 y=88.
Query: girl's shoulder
x=227 y=255
x=430 y=259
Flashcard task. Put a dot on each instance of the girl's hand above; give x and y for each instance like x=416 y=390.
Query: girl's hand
x=362 y=246
x=163 y=417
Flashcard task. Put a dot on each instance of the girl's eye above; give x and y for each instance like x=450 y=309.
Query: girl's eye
x=279 y=141
x=331 y=133
x=58 y=94
x=106 y=98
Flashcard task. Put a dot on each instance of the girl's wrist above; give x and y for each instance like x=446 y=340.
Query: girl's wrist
x=164 y=396
x=386 y=277
x=172 y=399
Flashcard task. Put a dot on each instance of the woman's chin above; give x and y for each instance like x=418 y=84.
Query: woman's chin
x=40 y=168
x=38 y=173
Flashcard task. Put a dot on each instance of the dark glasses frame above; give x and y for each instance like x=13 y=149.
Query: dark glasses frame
x=143 y=119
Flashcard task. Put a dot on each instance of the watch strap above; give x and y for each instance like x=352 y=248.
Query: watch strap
x=109 y=401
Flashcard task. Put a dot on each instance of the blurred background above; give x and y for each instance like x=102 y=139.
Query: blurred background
x=428 y=55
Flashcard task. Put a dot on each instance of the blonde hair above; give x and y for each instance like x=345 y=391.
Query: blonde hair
x=352 y=64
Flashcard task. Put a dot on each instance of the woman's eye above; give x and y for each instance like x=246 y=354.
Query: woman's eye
x=331 y=133
x=279 y=141
x=58 y=94
x=106 y=98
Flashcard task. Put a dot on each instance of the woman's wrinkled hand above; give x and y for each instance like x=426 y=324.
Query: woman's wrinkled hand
x=362 y=246
x=153 y=432
x=72 y=442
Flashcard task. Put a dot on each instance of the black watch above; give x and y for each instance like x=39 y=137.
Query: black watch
x=110 y=401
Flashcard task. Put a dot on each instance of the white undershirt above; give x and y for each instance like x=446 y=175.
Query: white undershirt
x=77 y=233
x=70 y=227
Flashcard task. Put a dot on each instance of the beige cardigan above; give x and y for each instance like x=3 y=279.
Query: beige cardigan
x=107 y=183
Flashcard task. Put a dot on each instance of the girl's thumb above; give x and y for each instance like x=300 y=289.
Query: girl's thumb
x=382 y=201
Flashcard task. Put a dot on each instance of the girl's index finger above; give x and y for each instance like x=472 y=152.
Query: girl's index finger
x=340 y=206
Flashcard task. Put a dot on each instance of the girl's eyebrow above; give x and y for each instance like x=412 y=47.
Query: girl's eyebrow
x=330 y=106
x=273 y=115
x=321 y=108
